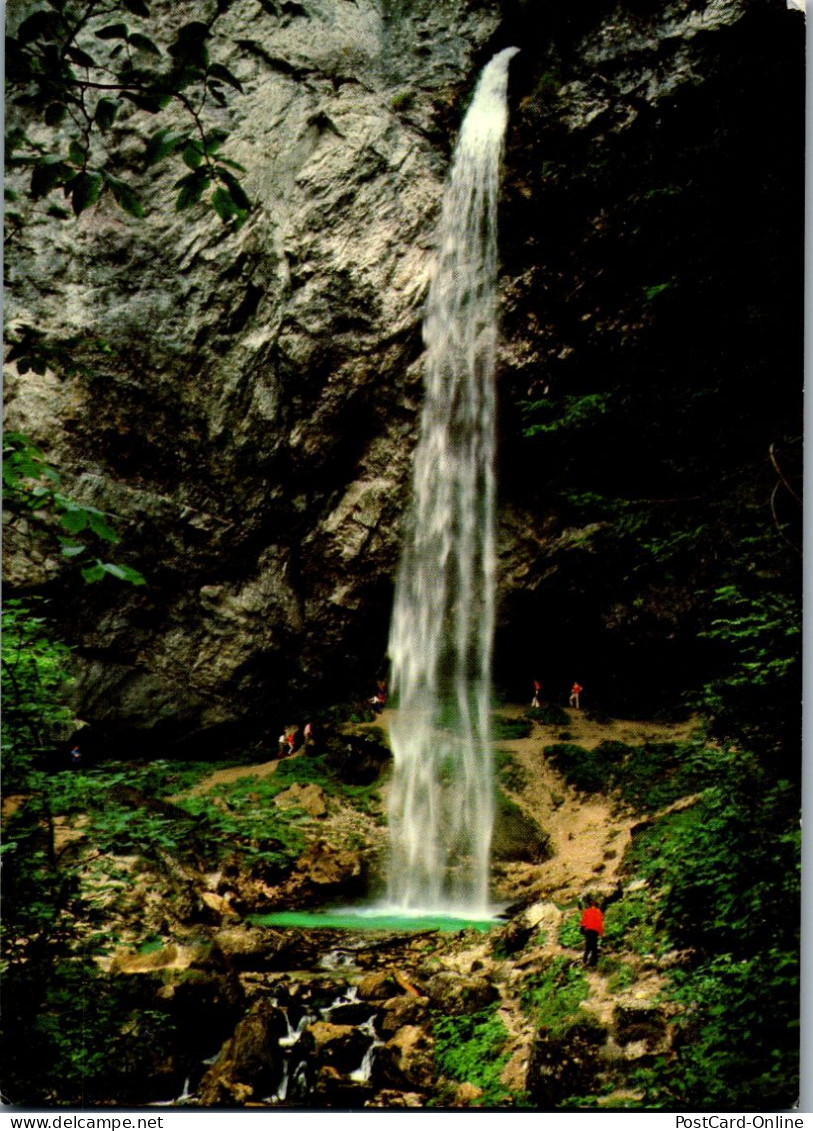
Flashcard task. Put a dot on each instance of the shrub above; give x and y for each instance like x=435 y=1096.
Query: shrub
x=468 y=1048
x=549 y=715
x=587 y=770
x=503 y=728
x=552 y=996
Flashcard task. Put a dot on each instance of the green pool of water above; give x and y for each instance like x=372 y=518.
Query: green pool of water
x=349 y=919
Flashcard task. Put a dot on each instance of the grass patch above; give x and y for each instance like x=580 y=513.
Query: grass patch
x=469 y=1049
x=505 y=729
x=551 y=997
x=510 y=773
x=549 y=715
x=623 y=975
x=647 y=777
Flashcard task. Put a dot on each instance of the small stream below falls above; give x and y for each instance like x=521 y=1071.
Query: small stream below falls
x=325 y=999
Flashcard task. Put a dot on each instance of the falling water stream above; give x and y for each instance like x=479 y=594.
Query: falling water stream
x=441 y=797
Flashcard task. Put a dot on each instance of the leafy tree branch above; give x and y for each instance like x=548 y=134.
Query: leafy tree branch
x=72 y=70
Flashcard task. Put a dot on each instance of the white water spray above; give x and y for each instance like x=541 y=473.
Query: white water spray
x=441 y=799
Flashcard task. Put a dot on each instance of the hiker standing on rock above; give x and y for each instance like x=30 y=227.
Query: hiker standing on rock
x=537 y=689
x=592 y=926
x=575 y=692
x=592 y=922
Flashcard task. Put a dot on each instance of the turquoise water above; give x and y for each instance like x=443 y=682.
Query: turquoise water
x=350 y=919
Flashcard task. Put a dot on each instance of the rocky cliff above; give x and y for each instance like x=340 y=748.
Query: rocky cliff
x=245 y=401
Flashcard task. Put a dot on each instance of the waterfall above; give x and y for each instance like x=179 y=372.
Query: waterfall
x=441 y=798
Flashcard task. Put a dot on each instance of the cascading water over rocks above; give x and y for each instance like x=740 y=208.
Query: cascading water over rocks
x=441 y=798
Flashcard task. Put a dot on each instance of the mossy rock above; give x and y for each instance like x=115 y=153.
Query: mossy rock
x=561 y=1066
x=518 y=836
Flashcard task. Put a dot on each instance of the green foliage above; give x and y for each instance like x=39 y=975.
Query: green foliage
x=622 y=975
x=78 y=1036
x=727 y=864
x=468 y=1048
x=569 y=932
x=647 y=777
x=549 y=715
x=728 y=868
x=504 y=728
x=82 y=77
x=586 y=770
x=509 y=772
x=756 y=699
x=571 y=414
x=32 y=490
x=757 y=998
x=633 y=924
x=34 y=688
x=551 y=996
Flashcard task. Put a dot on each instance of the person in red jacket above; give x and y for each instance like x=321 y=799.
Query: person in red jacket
x=592 y=925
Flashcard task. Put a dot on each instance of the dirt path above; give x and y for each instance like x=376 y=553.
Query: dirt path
x=232 y=774
x=588 y=832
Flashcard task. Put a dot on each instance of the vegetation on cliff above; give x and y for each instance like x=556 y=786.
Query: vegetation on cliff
x=651 y=442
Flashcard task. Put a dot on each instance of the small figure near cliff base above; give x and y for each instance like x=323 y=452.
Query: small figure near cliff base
x=575 y=692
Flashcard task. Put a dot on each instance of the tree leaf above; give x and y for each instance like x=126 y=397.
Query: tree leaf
x=124 y=196
x=87 y=189
x=190 y=44
x=214 y=139
x=162 y=143
x=94 y=573
x=40 y=25
x=231 y=164
x=224 y=206
x=193 y=154
x=55 y=113
x=72 y=549
x=100 y=526
x=80 y=57
x=76 y=153
x=106 y=110
x=218 y=71
x=75 y=520
x=47 y=174
x=113 y=31
x=191 y=187
x=152 y=103
x=236 y=190
x=143 y=43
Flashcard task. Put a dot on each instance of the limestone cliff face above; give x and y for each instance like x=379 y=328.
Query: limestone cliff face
x=246 y=402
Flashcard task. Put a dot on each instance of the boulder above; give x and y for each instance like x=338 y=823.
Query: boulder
x=342 y=1047
x=251 y=1063
x=406 y=1060
x=323 y=870
x=377 y=986
x=333 y=1088
x=511 y=938
x=562 y=1065
x=455 y=994
x=517 y=836
x=256 y=948
x=643 y=1025
x=396 y=1012
x=310 y=797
